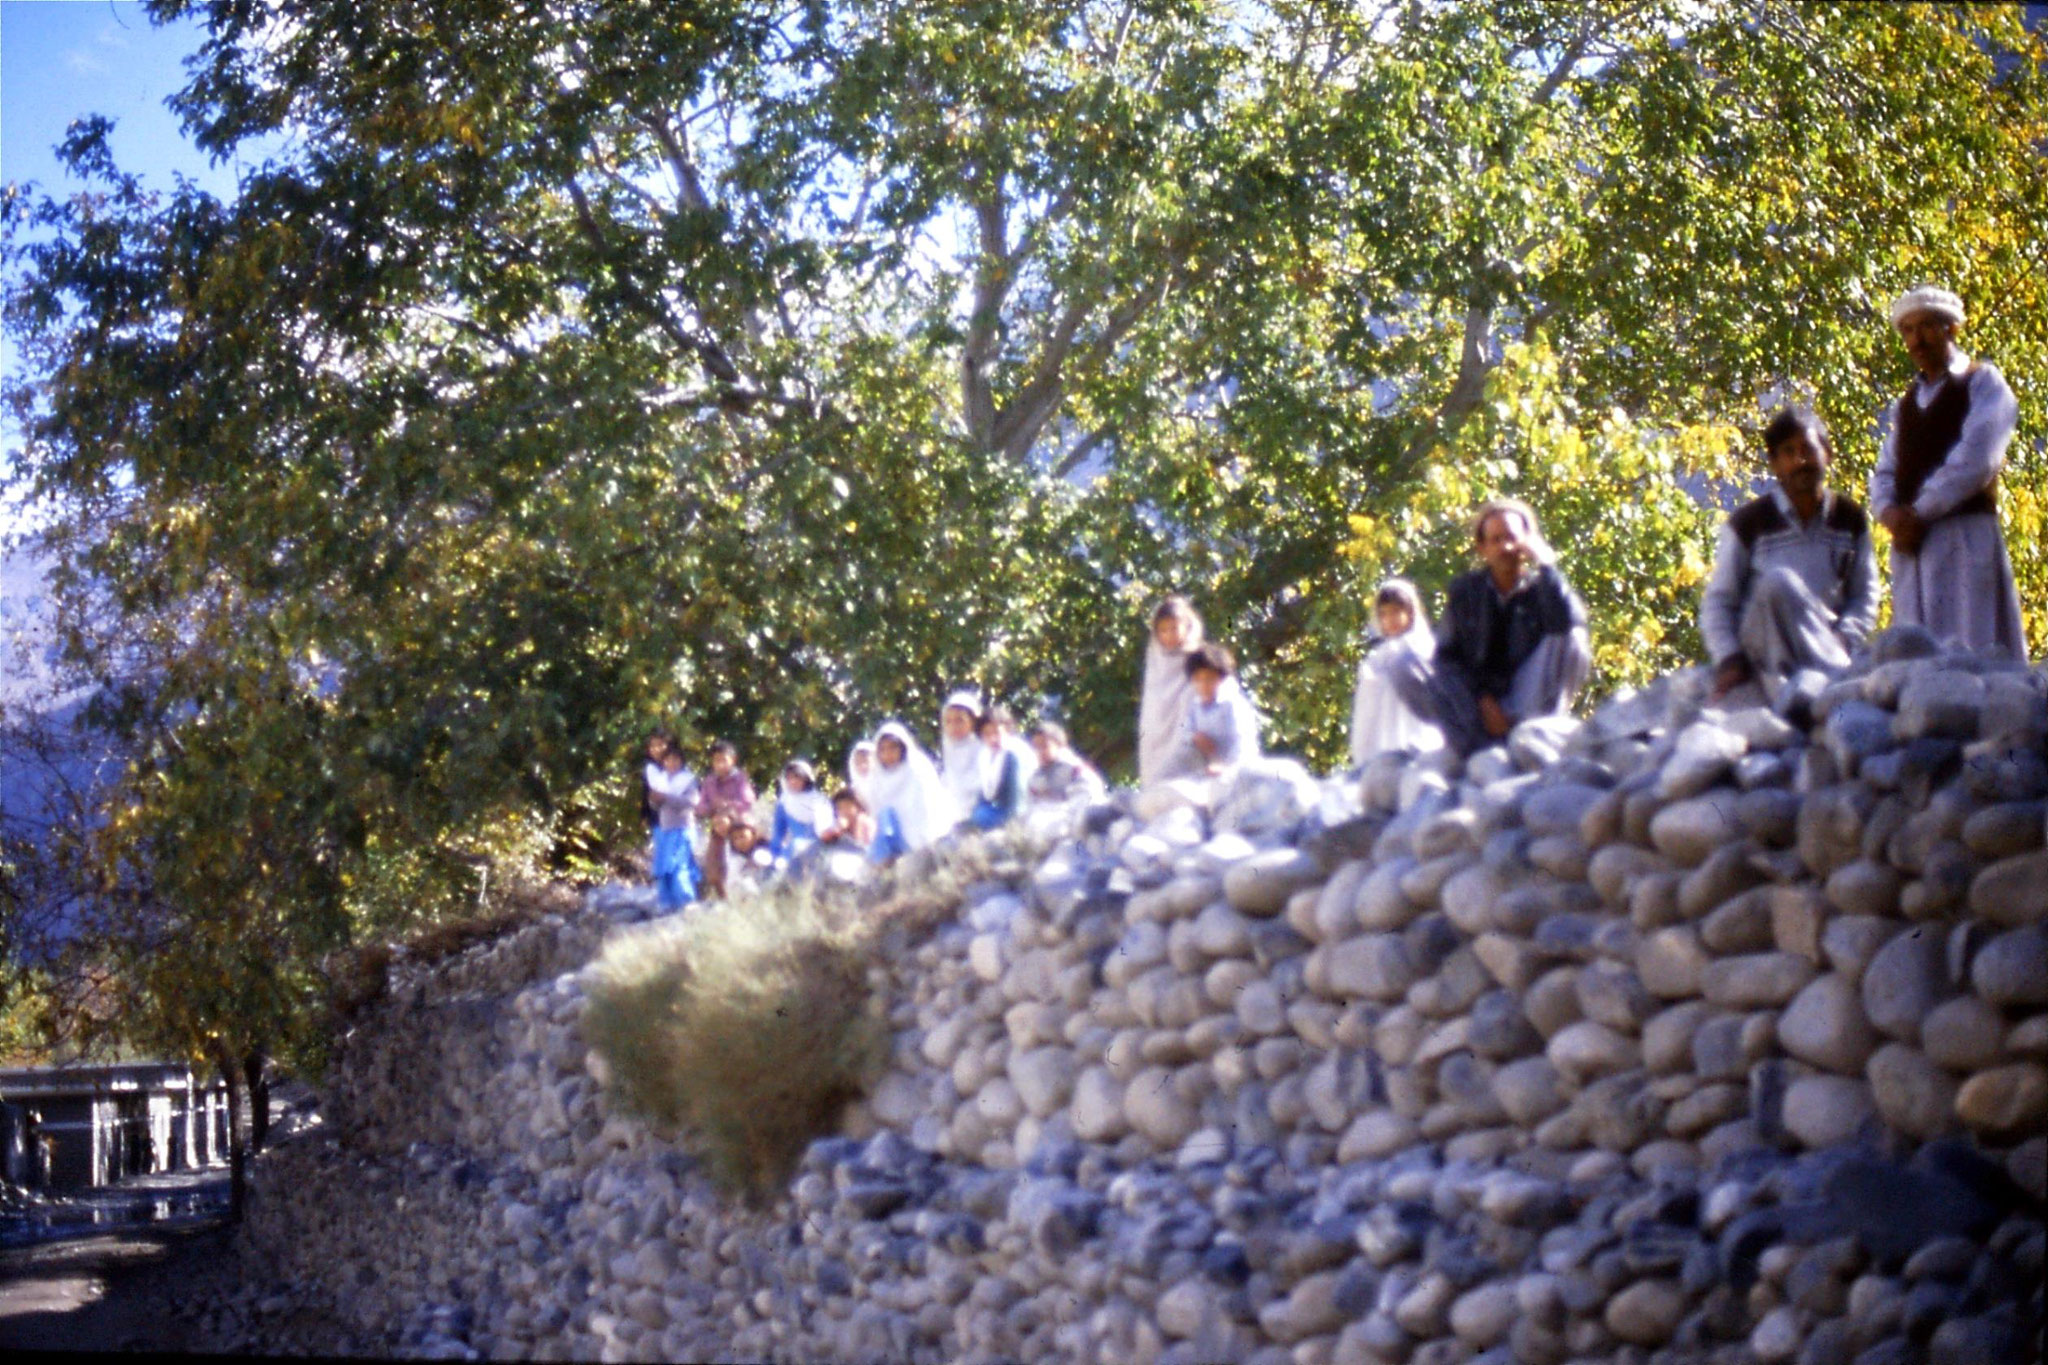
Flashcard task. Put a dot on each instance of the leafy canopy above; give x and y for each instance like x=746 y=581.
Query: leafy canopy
x=772 y=367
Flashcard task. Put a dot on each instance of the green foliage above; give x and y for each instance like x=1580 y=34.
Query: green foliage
x=768 y=371
x=745 y=1027
x=28 y=1018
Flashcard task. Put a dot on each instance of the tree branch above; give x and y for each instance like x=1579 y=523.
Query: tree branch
x=713 y=357
x=1033 y=405
x=1081 y=450
x=993 y=277
x=1474 y=364
x=680 y=164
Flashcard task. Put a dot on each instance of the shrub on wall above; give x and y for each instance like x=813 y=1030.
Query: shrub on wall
x=741 y=1028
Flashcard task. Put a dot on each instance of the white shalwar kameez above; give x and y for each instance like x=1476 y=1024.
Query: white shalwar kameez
x=1163 y=709
x=1960 y=586
x=1380 y=721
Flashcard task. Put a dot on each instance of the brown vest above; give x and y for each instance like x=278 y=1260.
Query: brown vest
x=1926 y=435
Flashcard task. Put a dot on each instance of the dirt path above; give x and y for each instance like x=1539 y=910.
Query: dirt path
x=112 y=1291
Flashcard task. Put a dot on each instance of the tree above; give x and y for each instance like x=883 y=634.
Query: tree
x=776 y=367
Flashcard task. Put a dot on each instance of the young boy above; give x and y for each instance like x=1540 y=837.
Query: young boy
x=1062 y=775
x=853 y=829
x=748 y=863
x=726 y=797
x=1795 y=575
x=1219 y=730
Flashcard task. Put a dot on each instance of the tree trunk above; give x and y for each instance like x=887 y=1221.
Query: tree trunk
x=255 y=1068
x=238 y=1136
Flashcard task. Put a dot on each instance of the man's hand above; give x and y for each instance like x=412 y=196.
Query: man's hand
x=1204 y=745
x=1493 y=719
x=1906 y=527
x=1733 y=672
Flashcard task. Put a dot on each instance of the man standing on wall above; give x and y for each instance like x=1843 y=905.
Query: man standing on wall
x=1935 y=487
x=1512 y=644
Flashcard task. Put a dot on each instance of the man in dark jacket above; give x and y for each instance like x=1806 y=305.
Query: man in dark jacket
x=1512 y=642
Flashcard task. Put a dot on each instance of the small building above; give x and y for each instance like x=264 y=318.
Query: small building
x=65 y=1128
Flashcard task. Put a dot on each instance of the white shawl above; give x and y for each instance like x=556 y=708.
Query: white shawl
x=960 y=760
x=675 y=795
x=810 y=806
x=863 y=785
x=913 y=789
x=992 y=766
x=1380 y=720
x=1163 y=707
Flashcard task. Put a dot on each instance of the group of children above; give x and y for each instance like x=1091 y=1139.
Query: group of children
x=894 y=800
x=1196 y=725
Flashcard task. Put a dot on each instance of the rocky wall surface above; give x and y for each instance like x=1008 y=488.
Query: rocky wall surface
x=1681 y=1034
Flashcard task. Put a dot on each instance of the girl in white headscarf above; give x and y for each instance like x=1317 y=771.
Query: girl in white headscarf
x=912 y=804
x=1007 y=763
x=960 y=747
x=860 y=771
x=1176 y=632
x=1380 y=720
x=802 y=812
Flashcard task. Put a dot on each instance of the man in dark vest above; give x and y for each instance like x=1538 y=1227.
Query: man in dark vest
x=1935 y=487
x=1795 y=577
x=1512 y=643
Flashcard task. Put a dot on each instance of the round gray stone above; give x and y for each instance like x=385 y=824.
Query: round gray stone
x=1826 y=1026
x=1906 y=979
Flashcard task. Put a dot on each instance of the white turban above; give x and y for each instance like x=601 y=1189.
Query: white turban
x=1927 y=298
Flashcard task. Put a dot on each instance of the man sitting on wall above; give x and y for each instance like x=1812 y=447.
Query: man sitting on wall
x=1512 y=644
x=1795 y=575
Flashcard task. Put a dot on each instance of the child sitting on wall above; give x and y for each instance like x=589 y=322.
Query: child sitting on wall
x=673 y=790
x=1381 y=720
x=1004 y=764
x=1220 y=731
x=748 y=864
x=1062 y=775
x=725 y=798
x=802 y=813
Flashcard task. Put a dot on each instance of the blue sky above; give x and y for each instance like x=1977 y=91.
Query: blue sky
x=63 y=59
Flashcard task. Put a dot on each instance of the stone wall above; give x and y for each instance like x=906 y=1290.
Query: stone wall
x=1678 y=1035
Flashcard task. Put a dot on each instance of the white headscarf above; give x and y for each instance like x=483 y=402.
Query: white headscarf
x=960 y=760
x=1380 y=720
x=1164 y=703
x=923 y=803
x=810 y=805
x=863 y=784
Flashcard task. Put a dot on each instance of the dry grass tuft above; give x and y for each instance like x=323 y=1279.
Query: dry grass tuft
x=743 y=1029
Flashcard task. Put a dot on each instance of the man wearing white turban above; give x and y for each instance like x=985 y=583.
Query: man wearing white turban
x=1936 y=485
